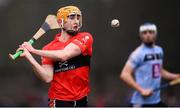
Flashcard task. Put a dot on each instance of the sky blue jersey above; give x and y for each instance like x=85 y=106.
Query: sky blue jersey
x=147 y=64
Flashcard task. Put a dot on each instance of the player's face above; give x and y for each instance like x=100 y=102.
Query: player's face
x=73 y=23
x=148 y=37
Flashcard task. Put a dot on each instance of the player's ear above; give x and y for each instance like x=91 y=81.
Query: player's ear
x=140 y=36
x=61 y=22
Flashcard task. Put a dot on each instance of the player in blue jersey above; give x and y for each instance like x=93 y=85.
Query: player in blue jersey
x=146 y=65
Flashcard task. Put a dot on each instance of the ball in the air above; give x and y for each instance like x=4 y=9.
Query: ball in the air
x=115 y=23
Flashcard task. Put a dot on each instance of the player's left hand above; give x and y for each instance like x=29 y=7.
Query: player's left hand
x=28 y=46
x=25 y=53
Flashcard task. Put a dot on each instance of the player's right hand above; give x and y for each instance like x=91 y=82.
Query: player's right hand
x=25 y=53
x=146 y=92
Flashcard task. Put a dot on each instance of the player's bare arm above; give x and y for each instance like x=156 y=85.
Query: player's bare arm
x=127 y=76
x=168 y=75
x=70 y=51
x=44 y=72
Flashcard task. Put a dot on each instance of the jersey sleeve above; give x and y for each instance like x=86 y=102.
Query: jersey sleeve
x=45 y=61
x=134 y=60
x=162 y=53
x=84 y=42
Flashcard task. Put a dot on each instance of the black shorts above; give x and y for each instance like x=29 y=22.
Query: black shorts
x=60 y=103
x=160 y=104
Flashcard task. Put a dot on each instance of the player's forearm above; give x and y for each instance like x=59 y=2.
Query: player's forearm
x=169 y=76
x=54 y=55
x=127 y=78
x=39 y=70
